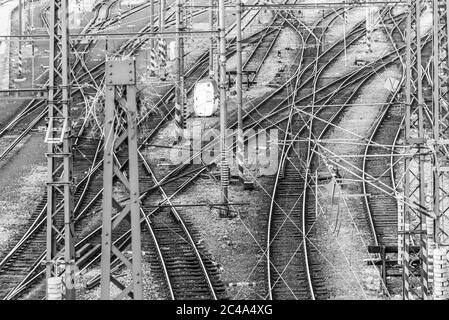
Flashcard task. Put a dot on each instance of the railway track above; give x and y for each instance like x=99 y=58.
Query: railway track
x=90 y=181
x=381 y=208
x=329 y=93
x=380 y=159
x=293 y=274
x=175 y=252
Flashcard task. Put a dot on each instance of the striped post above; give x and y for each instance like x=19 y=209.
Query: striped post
x=186 y=15
x=406 y=264
x=369 y=27
x=28 y=27
x=424 y=260
x=162 y=46
x=178 y=122
x=441 y=275
x=240 y=155
x=20 y=57
x=224 y=179
x=185 y=114
x=401 y=220
x=430 y=249
x=152 y=61
x=163 y=55
x=240 y=141
x=345 y=22
x=189 y=15
x=152 y=46
x=179 y=90
x=119 y=14
x=345 y=15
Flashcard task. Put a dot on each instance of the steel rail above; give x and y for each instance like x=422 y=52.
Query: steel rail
x=99 y=163
x=285 y=151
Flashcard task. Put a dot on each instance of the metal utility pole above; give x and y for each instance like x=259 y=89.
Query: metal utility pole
x=415 y=208
x=440 y=164
x=223 y=111
x=240 y=142
x=120 y=99
x=179 y=90
x=60 y=232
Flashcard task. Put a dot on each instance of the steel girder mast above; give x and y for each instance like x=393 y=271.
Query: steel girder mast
x=439 y=147
x=426 y=172
x=414 y=231
x=120 y=121
x=60 y=230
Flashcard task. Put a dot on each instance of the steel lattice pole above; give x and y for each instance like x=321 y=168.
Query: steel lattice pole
x=414 y=178
x=60 y=183
x=440 y=149
x=121 y=93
